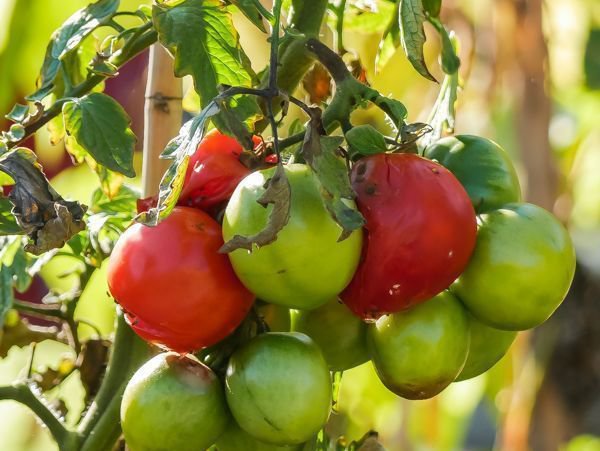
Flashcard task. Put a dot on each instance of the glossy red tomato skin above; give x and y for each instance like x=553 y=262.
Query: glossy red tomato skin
x=213 y=171
x=420 y=232
x=177 y=290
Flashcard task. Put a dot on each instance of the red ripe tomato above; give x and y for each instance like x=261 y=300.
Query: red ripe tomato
x=213 y=171
x=212 y=174
x=420 y=233
x=175 y=287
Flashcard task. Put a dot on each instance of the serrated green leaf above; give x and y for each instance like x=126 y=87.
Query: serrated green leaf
x=366 y=140
x=68 y=37
x=101 y=126
x=179 y=149
x=393 y=108
x=249 y=9
x=390 y=41
x=18 y=113
x=123 y=202
x=201 y=36
x=412 y=17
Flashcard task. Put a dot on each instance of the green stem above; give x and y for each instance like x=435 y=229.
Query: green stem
x=144 y=39
x=294 y=59
x=128 y=353
x=339 y=26
x=23 y=393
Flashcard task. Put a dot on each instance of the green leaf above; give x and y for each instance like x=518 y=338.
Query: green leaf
x=366 y=140
x=201 y=36
x=443 y=114
x=68 y=37
x=8 y=223
x=412 y=35
x=123 y=202
x=393 y=108
x=320 y=153
x=368 y=17
x=450 y=60
x=251 y=11
x=19 y=113
x=101 y=126
x=179 y=149
x=390 y=40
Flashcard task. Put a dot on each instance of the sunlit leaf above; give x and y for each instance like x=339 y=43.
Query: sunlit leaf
x=366 y=140
x=101 y=126
x=413 y=36
x=68 y=37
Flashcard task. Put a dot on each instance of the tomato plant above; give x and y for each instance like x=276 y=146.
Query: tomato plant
x=174 y=286
x=366 y=227
x=420 y=233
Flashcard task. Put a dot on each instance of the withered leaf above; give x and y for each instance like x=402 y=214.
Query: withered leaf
x=47 y=218
x=278 y=193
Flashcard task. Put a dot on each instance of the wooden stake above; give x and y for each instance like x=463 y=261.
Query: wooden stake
x=162 y=116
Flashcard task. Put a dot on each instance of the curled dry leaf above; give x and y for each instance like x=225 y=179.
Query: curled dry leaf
x=48 y=219
x=278 y=193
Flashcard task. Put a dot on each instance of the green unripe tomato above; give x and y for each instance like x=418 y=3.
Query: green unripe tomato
x=306 y=266
x=418 y=352
x=277 y=317
x=236 y=439
x=521 y=269
x=481 y=166
x=173 y=402
x=488 y=346
x=278 y=388
x=340 y=334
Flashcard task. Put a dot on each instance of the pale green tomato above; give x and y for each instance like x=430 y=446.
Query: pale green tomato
x=521 y=269
x=173 y=403
x=340 y=334
x=278 y=388
x=488 y=345
x=418 y=352
x=306 y=266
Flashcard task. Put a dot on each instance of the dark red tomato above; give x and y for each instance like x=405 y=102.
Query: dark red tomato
x=175 y=287
x=420 y=233
x=213 y=171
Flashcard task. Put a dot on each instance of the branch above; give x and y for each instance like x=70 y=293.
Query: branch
x=24 y=394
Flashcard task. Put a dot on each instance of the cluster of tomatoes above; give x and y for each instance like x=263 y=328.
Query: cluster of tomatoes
x=449 y=266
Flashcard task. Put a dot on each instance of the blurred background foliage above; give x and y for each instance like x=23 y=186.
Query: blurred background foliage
x=531 y=72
